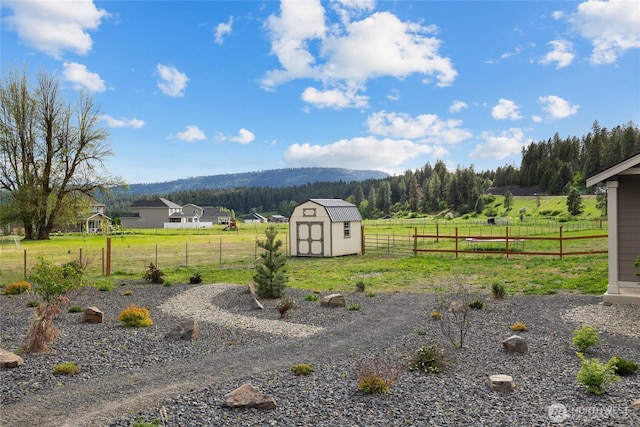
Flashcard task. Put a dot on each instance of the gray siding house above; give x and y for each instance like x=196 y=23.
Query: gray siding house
x=623 y=213
x=325 y=228
x=151 y=213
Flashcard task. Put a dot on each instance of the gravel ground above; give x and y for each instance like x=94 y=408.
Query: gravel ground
x=128 y=375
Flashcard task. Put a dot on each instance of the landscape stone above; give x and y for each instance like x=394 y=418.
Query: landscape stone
x=333 y=300
x=501 y=382
x=515 y=344
x=256 y=305
x=187 y=331
x=247 y=396
x=635 y=405
x=92 y=315
x=9 y=360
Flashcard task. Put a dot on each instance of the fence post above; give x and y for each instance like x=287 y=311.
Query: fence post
x=25 y=263
x=560 y=242
x=415 y=242
x=108 y=256
x=456 y=242
x=437 y=233
x=102 y=259
x=507 y=241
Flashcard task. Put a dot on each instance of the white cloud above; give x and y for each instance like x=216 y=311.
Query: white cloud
x=193 y=133
x=223 y=29
x=536 y=119
x=244 y=137
x=506 y=109
x=500 y=146
x=122 y=122
x=561 y=53
x=557 y=14
x=333 y=98
x=356 y=153
x=82 y=78
x=556 y=107
x=394 y=95
x=612 y=26
x=426 y=128
x=172 y=82
x=55 y=26
x=351 y=52
x=457 y=106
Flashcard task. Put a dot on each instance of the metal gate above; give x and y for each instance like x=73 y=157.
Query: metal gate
x=310 y=238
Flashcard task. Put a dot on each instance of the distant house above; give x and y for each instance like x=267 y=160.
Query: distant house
x=277 y=218
x=623 y=210
x=97 y=221
x=216 y=215
x=254 y=218
x=162 y=213
x=325 y=228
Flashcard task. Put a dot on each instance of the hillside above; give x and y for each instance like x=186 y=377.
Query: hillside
x=275 y=178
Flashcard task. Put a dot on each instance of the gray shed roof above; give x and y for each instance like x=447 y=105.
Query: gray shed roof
x=339 y=210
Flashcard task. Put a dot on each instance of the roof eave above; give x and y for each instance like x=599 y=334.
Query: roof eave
x=614 y=170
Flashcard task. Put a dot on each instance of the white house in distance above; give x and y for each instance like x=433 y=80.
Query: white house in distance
x=623 y=211
x=325 y=228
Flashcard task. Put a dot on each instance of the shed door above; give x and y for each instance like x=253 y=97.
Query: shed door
x=310 y=238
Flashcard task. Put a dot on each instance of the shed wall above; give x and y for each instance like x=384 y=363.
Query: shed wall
x=628 y=227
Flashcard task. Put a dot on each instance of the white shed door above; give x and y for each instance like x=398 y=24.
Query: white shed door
x=310 y=238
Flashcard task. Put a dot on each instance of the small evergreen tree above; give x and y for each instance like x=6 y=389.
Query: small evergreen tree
x=574 y=202
x=508 y=200
x=270 y=275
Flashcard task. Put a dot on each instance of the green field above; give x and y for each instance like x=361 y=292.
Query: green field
x=388 y=265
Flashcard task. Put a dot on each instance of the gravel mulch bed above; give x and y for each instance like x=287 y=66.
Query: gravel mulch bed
x=129 y=375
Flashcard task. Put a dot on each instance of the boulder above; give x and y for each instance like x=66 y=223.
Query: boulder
x=515 y=344
x=333 y=300
x=635 y=405
x=247 y=396
x=256 y=305
x=9 y=360
x=92 y=315
x=501 y=382
x=187 y=331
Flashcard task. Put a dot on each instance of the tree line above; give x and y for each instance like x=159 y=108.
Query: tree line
x=556 y=166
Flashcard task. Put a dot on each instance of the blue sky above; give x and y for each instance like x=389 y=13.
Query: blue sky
x=192 y=88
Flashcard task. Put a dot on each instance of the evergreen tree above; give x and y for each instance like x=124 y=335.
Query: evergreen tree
x=574 y=202
x=508 y=200
x=270 y=275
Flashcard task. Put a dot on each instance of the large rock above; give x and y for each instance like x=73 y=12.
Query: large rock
x=187 y=331
x=247 y=396
x=333 y=300
x=92 y=315
x=515 y=344
x=635 y=405
x=501 y=382
x=9 y=360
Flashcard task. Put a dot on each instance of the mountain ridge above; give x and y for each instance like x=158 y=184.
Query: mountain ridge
x=267 y=178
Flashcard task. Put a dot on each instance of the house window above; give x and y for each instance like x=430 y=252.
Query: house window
x=347 y=230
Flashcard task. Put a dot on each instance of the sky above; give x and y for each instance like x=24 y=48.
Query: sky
x=196 y=88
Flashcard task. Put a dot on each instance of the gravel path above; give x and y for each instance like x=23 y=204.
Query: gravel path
x=130 y=375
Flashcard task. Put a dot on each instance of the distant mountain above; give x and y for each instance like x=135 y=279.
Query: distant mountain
x=269 y=178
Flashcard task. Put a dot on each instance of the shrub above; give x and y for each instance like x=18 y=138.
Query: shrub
x=127 y=293
x=498 y=291
x=377 y=375
x=311 y=297
x=270 y=275
x=33 y=303
x=518 y=327
x=428 y=359
x=66 y=369
x=421 y=331
x=354 y=307
x=360 y=286
x=476 y=304
x=134 y=316
x=74 y=309
x=623 y=367
x=436 y=315
x=455 y=320
x=585 y=337
x=285 y=304
x=195 y=279
x=17 y=288
x=302 y=369
x=153 y=275
x=370 y=294
x=596 y=376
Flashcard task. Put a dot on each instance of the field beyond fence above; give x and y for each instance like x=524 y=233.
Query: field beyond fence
x=131 y=254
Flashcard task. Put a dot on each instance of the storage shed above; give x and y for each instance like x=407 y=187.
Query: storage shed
x=325 y=228
x=623 y=211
